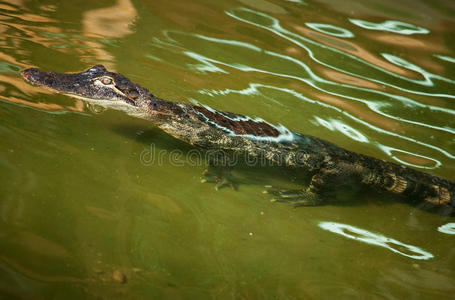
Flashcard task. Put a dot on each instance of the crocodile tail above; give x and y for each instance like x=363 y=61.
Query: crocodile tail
x=433 y=190
x=439 y=196
x=413 y=184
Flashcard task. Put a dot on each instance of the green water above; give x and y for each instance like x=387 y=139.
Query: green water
x=77 y=203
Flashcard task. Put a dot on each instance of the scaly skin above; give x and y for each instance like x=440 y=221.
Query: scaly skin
x=206 y=128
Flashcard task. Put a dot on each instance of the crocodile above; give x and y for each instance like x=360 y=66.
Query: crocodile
x=327 y=164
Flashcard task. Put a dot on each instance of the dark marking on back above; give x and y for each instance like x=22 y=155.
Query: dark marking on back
x=238 y=124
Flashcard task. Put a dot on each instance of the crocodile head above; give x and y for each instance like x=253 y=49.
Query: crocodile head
x=96 y=85
x=108 y=89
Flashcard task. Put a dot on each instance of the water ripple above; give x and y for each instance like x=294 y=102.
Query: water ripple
x=273 y=25
x=331 y=30
x=448 y=228
x=365 y=236
x=446 y=58
x=391 y=26
x=284 y=66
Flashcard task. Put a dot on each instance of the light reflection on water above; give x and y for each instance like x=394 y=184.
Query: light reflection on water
x=391 y=26
x=331 y=30
x=381 y=85
x=362 y=235
x=212 y=64
x=448 y=228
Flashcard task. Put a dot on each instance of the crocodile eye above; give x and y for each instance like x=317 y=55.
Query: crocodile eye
x=106 y=80
x=133 y=94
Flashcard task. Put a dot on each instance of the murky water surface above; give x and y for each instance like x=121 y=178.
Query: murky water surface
x=82 y=216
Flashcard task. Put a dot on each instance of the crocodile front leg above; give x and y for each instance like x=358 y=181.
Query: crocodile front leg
x=218 y=171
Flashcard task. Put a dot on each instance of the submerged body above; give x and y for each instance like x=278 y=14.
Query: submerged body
x=210 y=129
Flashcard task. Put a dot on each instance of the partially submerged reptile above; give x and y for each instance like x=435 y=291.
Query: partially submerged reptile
x=207 y=128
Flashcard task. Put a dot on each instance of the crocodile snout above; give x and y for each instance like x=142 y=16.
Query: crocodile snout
x=31 y=74
x=35 y=76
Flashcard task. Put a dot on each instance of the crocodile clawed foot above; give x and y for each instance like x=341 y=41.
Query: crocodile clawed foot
x=220 y=180
x=224 y=181
x=296 y=197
